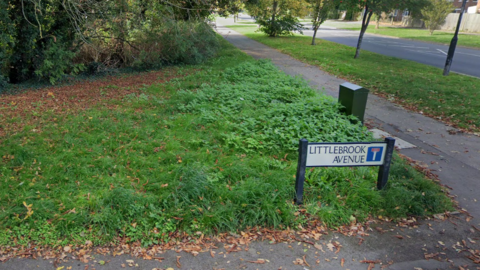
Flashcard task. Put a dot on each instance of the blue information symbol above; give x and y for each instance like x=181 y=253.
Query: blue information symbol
x=374 y=153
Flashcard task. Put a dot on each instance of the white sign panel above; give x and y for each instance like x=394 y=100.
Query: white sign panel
x=345 y=154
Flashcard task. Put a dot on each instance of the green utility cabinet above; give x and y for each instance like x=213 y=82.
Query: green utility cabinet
x=354 y=99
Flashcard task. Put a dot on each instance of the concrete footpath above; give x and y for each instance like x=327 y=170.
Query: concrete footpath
x=446 y=242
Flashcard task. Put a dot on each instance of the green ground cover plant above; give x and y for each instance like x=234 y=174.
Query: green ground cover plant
x=445 y=38
x=212 y=151
x=453 y=99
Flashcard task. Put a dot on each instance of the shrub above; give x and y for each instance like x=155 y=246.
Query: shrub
x=169 y=42
x=57 y=61
x=264 y=109
x=177 y=42
x=435 y=14
x=282 y=26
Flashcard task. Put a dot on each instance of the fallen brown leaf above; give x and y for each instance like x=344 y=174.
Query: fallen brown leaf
x=370 y=261
x=319 y=247
x=305 y=260
x=431 y=255
x=330 y=246
x=298 y=261
x=179 y=265
x=232 y=249
x=259 y=261
x=342 y=262
x=360 y=241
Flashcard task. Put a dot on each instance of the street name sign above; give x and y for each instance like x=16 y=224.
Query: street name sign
x=343 y=155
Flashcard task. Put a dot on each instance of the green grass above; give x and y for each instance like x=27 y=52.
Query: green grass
x=454 y=98
x=441 y=37
x=218 y=154
x=246 y=22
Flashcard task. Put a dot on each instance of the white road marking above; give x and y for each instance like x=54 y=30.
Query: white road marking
x=442 y=51
x=403 y=46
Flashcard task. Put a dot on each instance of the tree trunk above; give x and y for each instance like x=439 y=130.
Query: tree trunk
x=378 y=22
x=274 y=12
x=365 y=22
x=315 y=23
x=314 y=35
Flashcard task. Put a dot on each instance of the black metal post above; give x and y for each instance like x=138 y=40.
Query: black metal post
x=301 y=167
x=453 y=43
x=385 y=168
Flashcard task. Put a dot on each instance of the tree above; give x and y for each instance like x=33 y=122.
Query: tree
x=50 y=38
x=38 y=40
x=435 y=13
x=233 y=7
x=278 y=17
x=321 y=9
x=371 y=7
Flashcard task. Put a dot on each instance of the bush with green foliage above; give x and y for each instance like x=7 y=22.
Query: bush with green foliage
x=57 y=61
x=435 y=13
x=51 y=38
x=176 y=42
x=36 y=41
x=283 y=26
x=278 y=17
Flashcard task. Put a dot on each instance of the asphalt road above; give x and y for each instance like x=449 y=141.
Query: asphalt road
x=465 y=61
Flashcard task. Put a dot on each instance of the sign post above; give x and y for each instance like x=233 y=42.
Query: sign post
x=343 y=155
x=385 y=168
x=301 y=167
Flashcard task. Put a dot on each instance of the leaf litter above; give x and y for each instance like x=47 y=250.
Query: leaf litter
x=68 y=99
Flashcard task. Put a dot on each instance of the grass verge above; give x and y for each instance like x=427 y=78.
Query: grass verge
x=453 y=99
x=465 y=40
x=211 y=151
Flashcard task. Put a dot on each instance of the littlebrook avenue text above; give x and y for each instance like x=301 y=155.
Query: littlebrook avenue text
x=346 y=154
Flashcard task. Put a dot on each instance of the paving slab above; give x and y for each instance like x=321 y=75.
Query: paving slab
x=399 y=143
